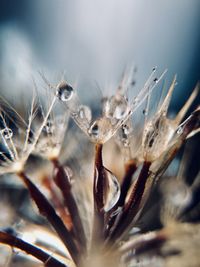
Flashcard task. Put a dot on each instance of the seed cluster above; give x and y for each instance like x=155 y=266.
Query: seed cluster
x=117 y=206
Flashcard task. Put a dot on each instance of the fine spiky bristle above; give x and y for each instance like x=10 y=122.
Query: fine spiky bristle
x=101 y=206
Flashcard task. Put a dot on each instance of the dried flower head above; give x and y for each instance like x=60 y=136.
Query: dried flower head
x=99 y=219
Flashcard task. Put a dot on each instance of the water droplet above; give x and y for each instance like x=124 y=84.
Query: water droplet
x=154 y=69
x=116 y=107
x=101 y=130
x=69 y=174
x=179 y=130
x=156 y=80
x=64 y=91
x=7 y=133
x=126 y=129
x=48 y=128
x=116 y=212
x=135 y=230
x=133 y=83
x=84 y=113
x=135 y=100
x=124 y=132
x=113 y=192
x=145 y=112
x=94 y=129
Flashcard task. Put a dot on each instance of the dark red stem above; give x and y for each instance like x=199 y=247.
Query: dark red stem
x=131 y=208
x=48 y=211
x=63 y=182
x=16 y=242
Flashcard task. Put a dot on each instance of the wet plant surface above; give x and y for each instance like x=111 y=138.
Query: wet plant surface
x=101 y=188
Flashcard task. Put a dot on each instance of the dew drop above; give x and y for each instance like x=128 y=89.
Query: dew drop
x=133 y=83
x=100 y=130
x=7 y=133
x=145 y=112
x=124 y=135
x=64 y=92
x=84 y=113
x=69 y=174
x=116 y=212
x=113 y=192
x=156 y=80
x=49 y=127
x=179 y=130
x=154 y=69
x=135 y=100
x=94 y=129
x=126 y=129
x=116 y=107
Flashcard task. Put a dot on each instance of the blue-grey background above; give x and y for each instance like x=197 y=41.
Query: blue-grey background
x=96 y=39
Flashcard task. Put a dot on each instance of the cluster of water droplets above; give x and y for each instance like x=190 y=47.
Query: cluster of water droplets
x=81 y=114
x=115 y=111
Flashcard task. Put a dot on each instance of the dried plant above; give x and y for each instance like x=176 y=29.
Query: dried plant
x=93 y=218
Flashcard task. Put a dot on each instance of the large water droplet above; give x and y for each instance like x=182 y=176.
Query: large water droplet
x=116 y=107
x=7 y=133
x=113 y=192
x=64 y=91
x=84 y=113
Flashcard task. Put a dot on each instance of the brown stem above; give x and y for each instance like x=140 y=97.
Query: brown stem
x=130 y=169
x=131 y=207
x=99 y=187
x=99 y=179
x=48 y=183
x=48 y=211
x=16 y=242
x=62 y=181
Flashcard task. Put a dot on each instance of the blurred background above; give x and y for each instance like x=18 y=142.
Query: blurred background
x=96 y=40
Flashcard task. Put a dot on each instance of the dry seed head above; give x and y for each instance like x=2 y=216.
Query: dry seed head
x=115 y=207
